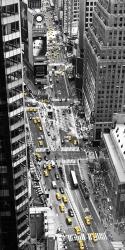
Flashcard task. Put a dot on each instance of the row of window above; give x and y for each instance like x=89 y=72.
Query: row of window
x=20 y=167
x=15 y=91
x=9 y=10
x=14 y=76
x=18 y=144
x=12 y=44
x=13 y=60
x=90 y=3
x=10 y=28
x=17 y=118
x=119 y=8
x=15 y=105
x=19 y=156
x=17 y=131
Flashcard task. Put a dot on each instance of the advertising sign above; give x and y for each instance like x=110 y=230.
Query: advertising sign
x=39 y=46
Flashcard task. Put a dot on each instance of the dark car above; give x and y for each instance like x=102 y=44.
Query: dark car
x=47 y=151
x=82 y=182
x=70 y=212
x=63 y=142
x=45 y=158
x=48 y=133
x=74 y=237
x=69 y=111
x=61 y=189
x=86 y=192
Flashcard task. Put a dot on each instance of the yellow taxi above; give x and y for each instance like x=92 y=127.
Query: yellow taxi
x=77 y=230
x=88 y=220
x=46 y=101
x=40 y=143
x=81 y=244
x=34 y=121
x=58 y=196
x=49 y=166
x=40 y=128
x=64 y=198
x=30 y=109
x=68 y=220
x=38 y=119
x=70 y=138
x=38 y=156
x=45 y=173
x=62 y=208
x=94 y=237
x=75 y=142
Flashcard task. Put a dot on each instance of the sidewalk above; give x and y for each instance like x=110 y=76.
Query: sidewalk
x=106 y=216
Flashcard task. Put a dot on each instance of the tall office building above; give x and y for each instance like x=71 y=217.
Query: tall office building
x=104 y=65
x=70 y=17
x=14 y=211
x=85 y=17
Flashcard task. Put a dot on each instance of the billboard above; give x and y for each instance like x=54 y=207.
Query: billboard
x=40 y=70
x=39 y=46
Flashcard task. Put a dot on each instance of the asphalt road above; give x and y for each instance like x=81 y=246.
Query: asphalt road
x=66 y=155
x=82 y=204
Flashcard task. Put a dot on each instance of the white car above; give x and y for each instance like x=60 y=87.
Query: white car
x=53 y=163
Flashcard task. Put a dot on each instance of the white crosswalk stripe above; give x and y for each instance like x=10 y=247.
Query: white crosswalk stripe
x=69 y=161
x=65 y=149
x=40 y=150
x=100 y=236
x=82 y=236
x=62 y=107
x=117 y=245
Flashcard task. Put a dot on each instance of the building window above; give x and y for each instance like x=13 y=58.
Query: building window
x=10 y=28
x=13 y=60
x=3 y=169
x=9 y=10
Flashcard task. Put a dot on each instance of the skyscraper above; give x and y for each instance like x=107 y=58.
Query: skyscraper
x=70 y=17
x=85 y=17
x=104 y=65
x=14 y=212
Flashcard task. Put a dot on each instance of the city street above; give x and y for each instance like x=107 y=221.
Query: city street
x=55 y=137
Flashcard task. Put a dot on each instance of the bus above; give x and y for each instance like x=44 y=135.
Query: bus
x=74 y=179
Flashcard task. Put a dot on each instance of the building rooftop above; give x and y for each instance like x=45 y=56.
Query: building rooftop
x=115 y=142
x=119 y=136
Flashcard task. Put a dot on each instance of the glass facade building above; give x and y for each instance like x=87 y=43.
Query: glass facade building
x=14 y=210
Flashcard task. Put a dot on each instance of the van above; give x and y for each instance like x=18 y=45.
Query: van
x=54 y=184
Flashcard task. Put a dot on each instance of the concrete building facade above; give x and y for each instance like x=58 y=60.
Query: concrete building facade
x=115 y=180
x=70 y=17
x=104 y=65
x=14 y=208
x=85 y=18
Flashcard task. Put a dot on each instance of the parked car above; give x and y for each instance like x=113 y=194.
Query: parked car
x=70 y=212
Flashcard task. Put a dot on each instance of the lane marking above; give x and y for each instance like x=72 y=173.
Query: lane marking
x=95 y=208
